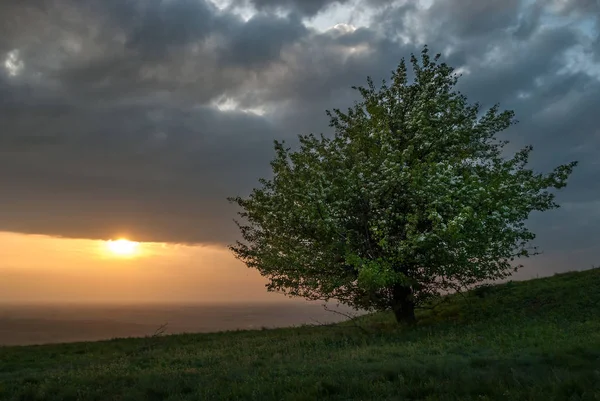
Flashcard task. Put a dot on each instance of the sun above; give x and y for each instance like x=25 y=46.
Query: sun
x=122 y=247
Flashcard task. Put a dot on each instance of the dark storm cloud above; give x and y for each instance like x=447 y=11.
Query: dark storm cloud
x=109 y=117
x=529 y=21
x=515 y=67
x=305 y=7
x=161 y=177
x=161 y=25
x=261 y=39
x=474 y=17
x=582 y=7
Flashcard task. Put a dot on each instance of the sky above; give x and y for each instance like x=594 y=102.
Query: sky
x=138 y=118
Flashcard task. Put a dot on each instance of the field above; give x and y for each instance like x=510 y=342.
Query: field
x=530 y=340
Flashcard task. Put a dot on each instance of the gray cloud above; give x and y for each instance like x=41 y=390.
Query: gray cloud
x=468 y=18
x=161 y=25
x=260 y=40
x=159 y=179
x=581 y=7
x=528 y=21
x=305 y=7
x=140 y=117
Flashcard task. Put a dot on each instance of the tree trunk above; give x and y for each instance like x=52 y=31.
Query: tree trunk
x=403 y=305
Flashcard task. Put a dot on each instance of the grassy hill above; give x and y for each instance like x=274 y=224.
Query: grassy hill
x=531 y=340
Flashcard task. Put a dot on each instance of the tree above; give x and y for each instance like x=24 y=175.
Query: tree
x=410 y=198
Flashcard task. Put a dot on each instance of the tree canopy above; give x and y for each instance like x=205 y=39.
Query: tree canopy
x=411 y=197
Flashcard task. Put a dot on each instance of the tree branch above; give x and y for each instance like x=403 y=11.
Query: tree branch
x=352 y=318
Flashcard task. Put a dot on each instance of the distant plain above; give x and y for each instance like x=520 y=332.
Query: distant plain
x=57 y=323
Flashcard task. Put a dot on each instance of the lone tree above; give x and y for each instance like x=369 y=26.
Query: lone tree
x=410 y=198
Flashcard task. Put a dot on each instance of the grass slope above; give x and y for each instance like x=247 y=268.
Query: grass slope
x=532 y=340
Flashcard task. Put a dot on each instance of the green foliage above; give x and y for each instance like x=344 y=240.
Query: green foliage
x=410 y=198
x=533 y=340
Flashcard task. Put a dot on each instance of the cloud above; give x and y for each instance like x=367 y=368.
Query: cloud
x=157 y=26
x=304 y=7
x=260 y=40
x=470 y=18
x=143 y=116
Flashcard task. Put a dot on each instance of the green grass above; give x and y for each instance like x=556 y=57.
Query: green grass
x=532 y=340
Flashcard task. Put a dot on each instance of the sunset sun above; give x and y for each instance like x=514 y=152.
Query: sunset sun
x=122 y=247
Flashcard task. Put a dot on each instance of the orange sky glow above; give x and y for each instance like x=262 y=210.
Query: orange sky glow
x=39 y=269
